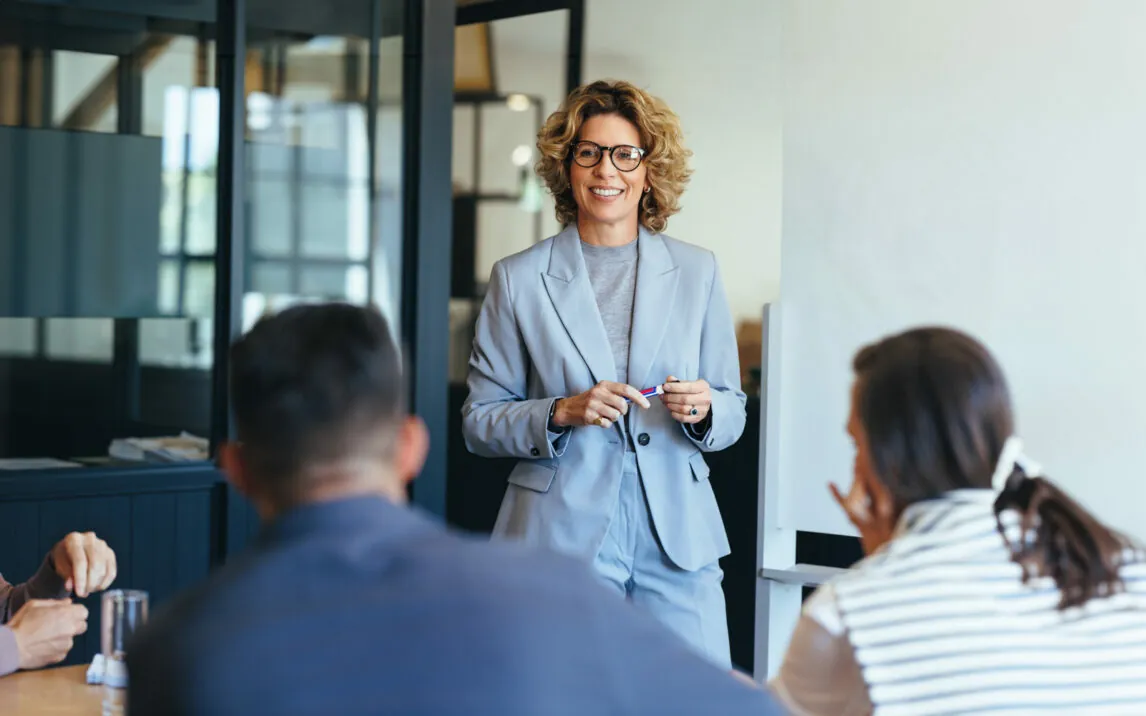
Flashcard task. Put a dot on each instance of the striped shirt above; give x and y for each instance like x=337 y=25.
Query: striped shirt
x=939 y=622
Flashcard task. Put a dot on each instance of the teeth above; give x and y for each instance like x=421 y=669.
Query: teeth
x=605 y=192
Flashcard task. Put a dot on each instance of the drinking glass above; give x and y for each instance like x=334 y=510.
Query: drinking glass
x=124 y=612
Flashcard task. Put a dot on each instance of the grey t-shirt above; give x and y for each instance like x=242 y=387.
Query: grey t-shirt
x=613 y=275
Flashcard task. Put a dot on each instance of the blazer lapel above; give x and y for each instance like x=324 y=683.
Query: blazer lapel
x=657 y=276
x=567 y=282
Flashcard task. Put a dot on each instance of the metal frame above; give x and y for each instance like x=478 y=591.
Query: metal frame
x=575 y=45
x=125 y=331
x=230 y=79
x=427 y=125
x=493 y=10
x=780 y=580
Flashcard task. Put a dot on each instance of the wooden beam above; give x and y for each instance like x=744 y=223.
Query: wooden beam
x=9 y=86
x=87 y=111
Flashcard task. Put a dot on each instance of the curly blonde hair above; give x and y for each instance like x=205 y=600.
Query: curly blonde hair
x=666 y=157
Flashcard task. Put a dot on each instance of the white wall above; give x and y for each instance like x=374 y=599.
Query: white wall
x=976 y=163
x=717 y=66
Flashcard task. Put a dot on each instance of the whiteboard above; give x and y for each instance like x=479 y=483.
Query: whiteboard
x=980 y=164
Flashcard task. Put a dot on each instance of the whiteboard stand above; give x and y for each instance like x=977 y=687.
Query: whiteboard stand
x=780 y=581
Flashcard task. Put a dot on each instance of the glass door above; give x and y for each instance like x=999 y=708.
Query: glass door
x=512 y=72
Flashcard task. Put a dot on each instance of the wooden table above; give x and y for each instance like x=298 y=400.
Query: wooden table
x=50 y=692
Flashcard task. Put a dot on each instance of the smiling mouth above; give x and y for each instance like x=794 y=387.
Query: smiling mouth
x=600 y=191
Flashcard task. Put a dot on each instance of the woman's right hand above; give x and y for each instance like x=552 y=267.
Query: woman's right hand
x=602 y=405
x=870 y=508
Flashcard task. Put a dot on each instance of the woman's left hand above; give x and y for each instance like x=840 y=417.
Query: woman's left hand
x=689 y=401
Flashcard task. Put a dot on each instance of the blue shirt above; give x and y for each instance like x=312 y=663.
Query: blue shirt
x=362 y=606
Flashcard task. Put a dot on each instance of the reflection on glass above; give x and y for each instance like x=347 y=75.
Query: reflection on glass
x=500 y=207
x=17 y=337
x=318 y=228
x=502 y=131
x=86 y=339
x=187 y=231
x=108 y=182
x=175 y=342
x=83 y=91
x=271 y=278
x=269 y=213
x=199 y=290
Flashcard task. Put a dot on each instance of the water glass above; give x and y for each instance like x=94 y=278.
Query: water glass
x=124 y=612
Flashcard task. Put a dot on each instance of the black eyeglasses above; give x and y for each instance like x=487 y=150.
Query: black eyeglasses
x=625 y=157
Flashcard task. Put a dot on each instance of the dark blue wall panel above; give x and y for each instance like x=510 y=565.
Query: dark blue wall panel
x=165 y=539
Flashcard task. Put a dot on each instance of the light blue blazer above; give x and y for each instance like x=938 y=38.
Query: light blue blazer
x=540 y=337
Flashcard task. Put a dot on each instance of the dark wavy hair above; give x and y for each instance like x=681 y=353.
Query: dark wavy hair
x=936 y=411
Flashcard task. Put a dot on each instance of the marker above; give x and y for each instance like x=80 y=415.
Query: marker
x=651 y=392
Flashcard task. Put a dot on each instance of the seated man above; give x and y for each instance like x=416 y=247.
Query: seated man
x=352 y=603
x=40 y=621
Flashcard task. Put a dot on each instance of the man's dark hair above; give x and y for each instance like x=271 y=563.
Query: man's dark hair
x=311 y=385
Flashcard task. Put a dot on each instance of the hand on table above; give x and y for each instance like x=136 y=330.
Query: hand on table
x=870 y=508
x=602 y=405
x=44 y=630
x=689 y=401
x=84 y=562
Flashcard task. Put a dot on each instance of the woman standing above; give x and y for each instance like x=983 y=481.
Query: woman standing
x=570 y=332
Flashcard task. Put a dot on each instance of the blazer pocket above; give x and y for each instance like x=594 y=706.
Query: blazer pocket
x=698 y=465
x=533 y=476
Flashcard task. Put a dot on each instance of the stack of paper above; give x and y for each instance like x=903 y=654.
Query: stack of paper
x=183 y=448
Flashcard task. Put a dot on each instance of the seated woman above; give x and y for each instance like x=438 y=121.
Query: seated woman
x=986 y=589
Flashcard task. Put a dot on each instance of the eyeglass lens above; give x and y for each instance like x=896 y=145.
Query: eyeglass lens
x=625 y=158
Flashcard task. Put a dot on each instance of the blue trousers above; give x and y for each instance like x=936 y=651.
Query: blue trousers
x=691 y=604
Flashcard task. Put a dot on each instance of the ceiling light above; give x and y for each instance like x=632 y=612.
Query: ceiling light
x=522 y=154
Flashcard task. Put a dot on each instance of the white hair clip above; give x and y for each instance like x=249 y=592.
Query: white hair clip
x=1012 y=457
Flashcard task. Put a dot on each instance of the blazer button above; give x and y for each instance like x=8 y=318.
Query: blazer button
x=643 y=439
x=535 y=452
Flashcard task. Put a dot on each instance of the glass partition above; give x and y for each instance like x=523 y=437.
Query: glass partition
x=323 y=157
x=109 y=152
x=511 y=74
x=106 y=233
